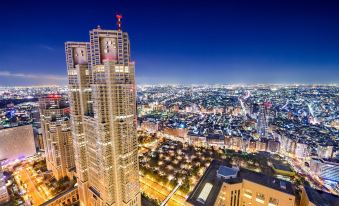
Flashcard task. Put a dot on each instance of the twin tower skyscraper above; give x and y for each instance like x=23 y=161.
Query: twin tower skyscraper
x=102 y=94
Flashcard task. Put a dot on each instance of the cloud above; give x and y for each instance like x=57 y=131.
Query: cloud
x=47 y=47
x=33 y=76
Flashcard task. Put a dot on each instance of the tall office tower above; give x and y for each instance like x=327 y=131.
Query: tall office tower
x=103 y=112
x=57 y=136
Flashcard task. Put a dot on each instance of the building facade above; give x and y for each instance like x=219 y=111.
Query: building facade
x=223 y=185
x=16 y=143
x=67 y=198
x=326 y=169
x=103 y=112
x=325 y=151
x=57 y=136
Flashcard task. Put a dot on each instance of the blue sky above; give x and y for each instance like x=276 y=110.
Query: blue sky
x=179 y=41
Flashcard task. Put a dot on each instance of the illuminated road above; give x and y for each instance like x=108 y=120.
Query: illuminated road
x=170 y=195
x=158 y=191
x=27 y=176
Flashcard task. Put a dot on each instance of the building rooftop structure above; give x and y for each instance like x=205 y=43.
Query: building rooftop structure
x=320 y=198
x=227 y=172
x=217 y=167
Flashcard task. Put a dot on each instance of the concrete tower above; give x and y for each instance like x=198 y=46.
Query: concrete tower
x=103 y=112
x=56 y=133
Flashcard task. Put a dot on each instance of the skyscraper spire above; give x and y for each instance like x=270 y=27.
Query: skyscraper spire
x=119 y=22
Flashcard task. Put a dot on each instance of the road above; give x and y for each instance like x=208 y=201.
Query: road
x=158 y=191
x=170 y=195
x=26 y=178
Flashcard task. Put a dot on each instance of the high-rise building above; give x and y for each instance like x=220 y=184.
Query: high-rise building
x=103 y=112
x=57 y=136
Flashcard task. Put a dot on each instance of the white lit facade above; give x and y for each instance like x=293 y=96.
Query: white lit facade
x=57 y=136
x=103 y=113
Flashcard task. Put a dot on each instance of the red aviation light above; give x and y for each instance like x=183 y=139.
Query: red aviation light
x=67 y=110
x=54 y=96
x=119 y=17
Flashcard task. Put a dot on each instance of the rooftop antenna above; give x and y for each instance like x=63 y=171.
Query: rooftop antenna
x=119 y=17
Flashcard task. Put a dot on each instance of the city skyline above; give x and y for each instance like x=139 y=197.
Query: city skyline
x=169 y=103
x=208 y=42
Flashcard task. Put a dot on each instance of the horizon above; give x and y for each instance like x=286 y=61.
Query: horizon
x=201 y=84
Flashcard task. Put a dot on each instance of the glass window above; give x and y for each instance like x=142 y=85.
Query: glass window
x=260 y=198
x=248 y=193
x=273 y=201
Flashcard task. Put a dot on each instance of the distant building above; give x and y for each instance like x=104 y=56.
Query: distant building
x=232 y=187
x=233 y=142
x=301 y=150
x=325 y=151
x=57 y=136
x=17 y=142
x=150 y=126
x=261 y=145
x=176 y=132
x=326 y=169
x=216 y=140
x=273 y=146
x=196 y=140
x=251 y=146
x=288 y=145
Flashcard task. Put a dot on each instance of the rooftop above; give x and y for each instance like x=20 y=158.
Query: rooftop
x=321 y=198
x=227 y=171
x=210 y=177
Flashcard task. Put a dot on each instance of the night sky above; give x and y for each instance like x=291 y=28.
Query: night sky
x=178 y=41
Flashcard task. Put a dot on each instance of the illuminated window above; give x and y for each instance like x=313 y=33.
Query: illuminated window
x=260 y=198
x=273 y=202
x=248 y=193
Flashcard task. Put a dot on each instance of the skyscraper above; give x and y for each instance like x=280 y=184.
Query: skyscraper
x=57 y=136
x=103 y=112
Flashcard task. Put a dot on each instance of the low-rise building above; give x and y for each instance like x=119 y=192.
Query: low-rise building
x=224 y=186
x=17 y=142
x=196 y=140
